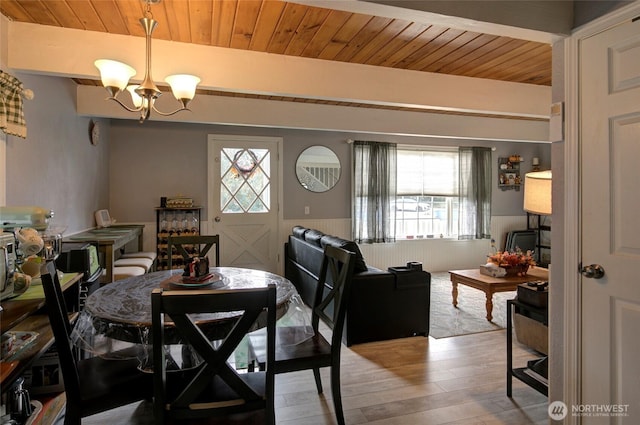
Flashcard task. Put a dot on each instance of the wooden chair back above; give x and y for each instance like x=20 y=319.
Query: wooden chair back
x=188 y=246
x=213 y=388
x=332 y=292
x=94 y=384
x=330 y=306
x=61 y=327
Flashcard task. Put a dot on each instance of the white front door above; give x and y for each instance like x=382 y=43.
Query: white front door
x=243 y=192
x=610 y=199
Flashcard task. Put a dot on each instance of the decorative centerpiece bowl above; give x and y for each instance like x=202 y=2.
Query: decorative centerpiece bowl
x=519 y=270
x=515 y=263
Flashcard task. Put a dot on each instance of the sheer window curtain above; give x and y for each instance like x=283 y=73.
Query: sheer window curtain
x=475 y=193
x=374 y=192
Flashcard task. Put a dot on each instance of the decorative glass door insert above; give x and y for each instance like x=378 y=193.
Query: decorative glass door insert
x=245 y=180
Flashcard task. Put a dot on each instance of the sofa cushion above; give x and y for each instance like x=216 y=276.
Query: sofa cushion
x=313 y=236
x=350 y=246
x=299 y=231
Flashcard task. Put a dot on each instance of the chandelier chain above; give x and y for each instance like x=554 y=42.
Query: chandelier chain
x=147 y=13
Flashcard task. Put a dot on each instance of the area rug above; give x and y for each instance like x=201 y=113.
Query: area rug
x=470 y=315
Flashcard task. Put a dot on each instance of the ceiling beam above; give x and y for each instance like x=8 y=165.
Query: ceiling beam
x=237 y=111
x=71 y=53
x=544 y=21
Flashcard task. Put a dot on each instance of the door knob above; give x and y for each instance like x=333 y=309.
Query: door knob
x=593 y=271
x=217 y=219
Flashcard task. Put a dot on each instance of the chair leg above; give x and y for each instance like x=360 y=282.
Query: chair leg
x=337 y=396
x=72 y=417
x=158 y=413
x=316 y=374
x=271 y=415
x=252 y=359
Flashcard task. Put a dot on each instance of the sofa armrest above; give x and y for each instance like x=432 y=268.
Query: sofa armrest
x=381 y=280
x=407 y=279
x=380 y=307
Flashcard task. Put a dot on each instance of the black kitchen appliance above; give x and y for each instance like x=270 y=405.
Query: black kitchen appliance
x=81 y=257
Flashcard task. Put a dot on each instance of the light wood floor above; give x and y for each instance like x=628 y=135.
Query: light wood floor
x=459 y=380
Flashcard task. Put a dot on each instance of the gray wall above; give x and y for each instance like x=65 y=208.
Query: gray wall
x=134 y=165
x=56 y=167
x=586 y=11
x=166 y=159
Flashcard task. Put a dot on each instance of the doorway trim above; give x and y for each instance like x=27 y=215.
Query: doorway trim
x=572 y=185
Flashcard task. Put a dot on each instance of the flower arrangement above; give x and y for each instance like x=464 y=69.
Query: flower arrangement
x=517 y=262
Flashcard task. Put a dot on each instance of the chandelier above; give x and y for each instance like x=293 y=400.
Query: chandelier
x=115 y=78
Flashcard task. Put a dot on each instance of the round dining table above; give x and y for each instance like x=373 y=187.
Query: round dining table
x=122 y=309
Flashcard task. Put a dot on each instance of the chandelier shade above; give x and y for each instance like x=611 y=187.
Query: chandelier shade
x=183 y=86
x=135 y=97
x=114 y=75
x=115 y=78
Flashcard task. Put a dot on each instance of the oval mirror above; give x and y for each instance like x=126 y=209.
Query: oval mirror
x=318 y=169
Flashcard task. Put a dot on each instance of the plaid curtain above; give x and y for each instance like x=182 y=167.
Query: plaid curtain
x=11 y=112
x=475 y=193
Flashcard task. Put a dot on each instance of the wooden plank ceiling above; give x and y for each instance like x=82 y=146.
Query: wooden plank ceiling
x=280 y=27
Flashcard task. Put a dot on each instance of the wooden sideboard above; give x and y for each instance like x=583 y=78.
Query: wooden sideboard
x=27 y=313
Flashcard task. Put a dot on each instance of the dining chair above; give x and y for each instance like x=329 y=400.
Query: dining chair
x=212 y=388
x=330 y=303
x=95 y=384
x=187 y=246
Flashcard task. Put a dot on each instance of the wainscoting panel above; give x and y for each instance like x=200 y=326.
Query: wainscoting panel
x=434 y=254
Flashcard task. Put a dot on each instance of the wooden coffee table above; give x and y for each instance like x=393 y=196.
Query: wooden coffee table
x=490 y=285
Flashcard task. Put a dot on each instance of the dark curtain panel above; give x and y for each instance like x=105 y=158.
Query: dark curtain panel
x=374 y=192
x=475 y=193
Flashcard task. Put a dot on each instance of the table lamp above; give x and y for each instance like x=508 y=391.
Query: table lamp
x=537 y=192
x=537 y=200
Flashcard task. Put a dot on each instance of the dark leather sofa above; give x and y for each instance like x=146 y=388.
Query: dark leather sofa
x=382 y=304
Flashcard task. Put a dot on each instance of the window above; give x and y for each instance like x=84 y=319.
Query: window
x=427 y=193
x=435 y=192
x=245 y=180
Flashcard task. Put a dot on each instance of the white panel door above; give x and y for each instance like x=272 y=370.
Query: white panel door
x=610 y=198
x=243 y=192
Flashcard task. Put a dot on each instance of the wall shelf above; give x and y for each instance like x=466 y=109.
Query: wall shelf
x=30 y=315
x=509 y=173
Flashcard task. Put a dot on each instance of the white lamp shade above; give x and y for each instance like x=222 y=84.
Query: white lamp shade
x=183 y=86
x=537 y=192
x=135 y=97
x=114 y=73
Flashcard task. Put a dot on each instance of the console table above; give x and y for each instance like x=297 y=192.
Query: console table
x=524 y=373
x=110 y=240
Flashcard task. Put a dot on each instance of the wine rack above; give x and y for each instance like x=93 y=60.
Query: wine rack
x=177 y=221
